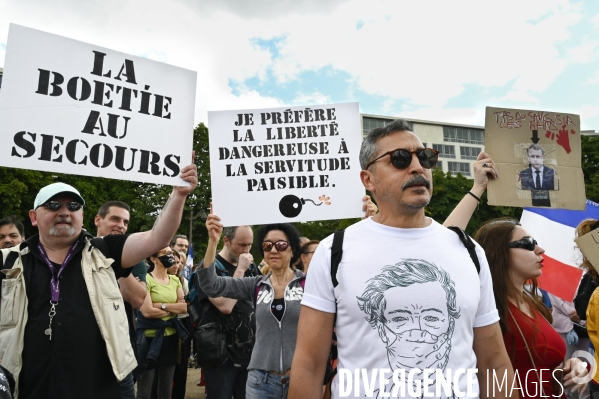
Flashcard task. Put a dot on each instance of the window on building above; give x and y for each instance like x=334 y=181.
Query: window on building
x=439 y=165
x=463 y=135
x=459 y=167
x=469 y=152
x=445 y=151
x=372 y=123
x=0 y=80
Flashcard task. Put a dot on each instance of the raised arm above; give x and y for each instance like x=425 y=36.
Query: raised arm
x=462 y=213
x=215 y=286
x=141 y=245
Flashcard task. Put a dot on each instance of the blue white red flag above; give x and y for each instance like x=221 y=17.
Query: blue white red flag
x=554 y=231
x=190 y=257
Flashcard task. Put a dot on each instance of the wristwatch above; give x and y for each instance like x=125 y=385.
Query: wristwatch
x=163 y=306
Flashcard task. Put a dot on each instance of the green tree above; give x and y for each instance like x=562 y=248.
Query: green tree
x=590 y=166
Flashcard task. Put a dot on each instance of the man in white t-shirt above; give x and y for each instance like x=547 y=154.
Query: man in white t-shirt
x=410 y=304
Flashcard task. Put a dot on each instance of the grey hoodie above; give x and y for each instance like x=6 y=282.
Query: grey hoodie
x=275 y=341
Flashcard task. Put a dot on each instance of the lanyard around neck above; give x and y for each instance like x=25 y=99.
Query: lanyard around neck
x=54 y=280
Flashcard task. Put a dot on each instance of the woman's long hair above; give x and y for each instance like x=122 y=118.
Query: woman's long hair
x=494 y=237
x=585 y=227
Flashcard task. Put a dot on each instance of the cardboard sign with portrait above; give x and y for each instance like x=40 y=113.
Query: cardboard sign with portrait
x=538 y=158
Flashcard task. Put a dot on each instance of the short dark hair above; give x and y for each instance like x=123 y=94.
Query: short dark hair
x=369 y=146
x=293 y=236
x=174 y=240
x=535 y=146
x=230 y=232
x=105 y=208
x=14 y=220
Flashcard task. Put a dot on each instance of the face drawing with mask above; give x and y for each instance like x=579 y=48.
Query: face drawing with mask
x=413 y=307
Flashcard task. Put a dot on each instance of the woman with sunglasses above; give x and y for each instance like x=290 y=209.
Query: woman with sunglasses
x=532 y=344
x=164 y=301
x=277 y=297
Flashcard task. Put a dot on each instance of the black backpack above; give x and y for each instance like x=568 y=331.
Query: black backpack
x=337 y=254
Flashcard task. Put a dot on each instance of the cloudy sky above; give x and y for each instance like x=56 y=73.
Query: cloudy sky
x=435 y=60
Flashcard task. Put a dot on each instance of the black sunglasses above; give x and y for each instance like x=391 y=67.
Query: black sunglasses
x=54 y=206
x=528 y=243
x=280 y=246
x=402 y=158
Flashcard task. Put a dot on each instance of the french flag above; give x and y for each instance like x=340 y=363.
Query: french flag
x=190 y=257
x=554 y=231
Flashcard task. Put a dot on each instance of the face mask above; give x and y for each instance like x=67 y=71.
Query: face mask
x=167 y=260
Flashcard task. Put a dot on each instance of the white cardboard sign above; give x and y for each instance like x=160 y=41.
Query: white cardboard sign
x=73 y=107
x=292 y=164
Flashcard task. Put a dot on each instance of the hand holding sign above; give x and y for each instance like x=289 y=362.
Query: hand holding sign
x=190 y=175
x=214 y=226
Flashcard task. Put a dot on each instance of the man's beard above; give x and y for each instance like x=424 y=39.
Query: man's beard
x=232 y=257
x=63 y=231
x=8 y=245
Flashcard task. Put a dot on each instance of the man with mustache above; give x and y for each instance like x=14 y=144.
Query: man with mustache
x=411 y=319
x=63 y=325
x=12 y=232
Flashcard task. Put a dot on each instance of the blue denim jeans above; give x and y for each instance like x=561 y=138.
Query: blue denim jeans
x=226 y=381
x=264 y=385
x=127 y=387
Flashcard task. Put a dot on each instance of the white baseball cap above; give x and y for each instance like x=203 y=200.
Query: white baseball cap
x=54 y=189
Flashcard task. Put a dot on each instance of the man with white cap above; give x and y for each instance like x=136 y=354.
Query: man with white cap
x=63 y=328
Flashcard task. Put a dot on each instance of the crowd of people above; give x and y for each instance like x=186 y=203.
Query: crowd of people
x=120 y=315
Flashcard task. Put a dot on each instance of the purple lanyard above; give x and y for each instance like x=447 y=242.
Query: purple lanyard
x=54 y=283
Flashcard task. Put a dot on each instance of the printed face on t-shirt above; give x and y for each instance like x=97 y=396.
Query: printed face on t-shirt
x=411 y=311
x=407 y=309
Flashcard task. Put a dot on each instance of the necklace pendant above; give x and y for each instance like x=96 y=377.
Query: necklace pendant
x=48 y=332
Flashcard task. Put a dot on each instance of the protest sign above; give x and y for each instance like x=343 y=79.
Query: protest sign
x=589 y=246
x=538 y=158
x=291 y=164
x=73 y=107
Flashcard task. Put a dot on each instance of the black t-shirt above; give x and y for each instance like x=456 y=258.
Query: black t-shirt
x=240 y=325
x=74 y=364
x=277 y=308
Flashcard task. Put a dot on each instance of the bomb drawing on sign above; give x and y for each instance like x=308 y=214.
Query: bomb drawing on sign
x=291 y=205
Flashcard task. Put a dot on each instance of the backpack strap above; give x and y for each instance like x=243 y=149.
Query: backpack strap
x=10 y=260
x=468 y=243
x=336 y=255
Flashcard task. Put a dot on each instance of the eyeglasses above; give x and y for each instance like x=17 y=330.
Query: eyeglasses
x=402 y=158
x=528 y=243
x=55 y=206
x=280 y=246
